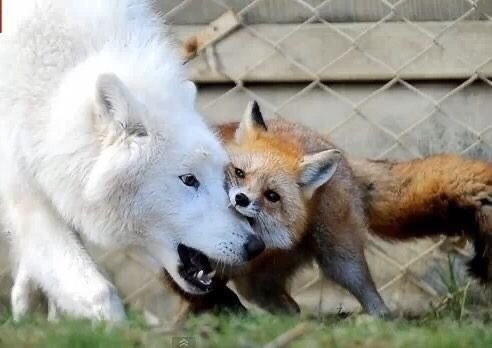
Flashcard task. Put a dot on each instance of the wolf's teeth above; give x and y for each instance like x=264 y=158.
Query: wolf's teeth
x=200 y=274
x=211 y=274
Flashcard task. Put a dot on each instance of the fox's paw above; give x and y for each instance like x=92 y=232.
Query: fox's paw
x=380 y=312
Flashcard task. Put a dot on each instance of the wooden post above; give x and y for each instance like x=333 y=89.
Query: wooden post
x=214 y=32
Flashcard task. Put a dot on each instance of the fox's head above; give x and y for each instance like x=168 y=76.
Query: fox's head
x=271 y=180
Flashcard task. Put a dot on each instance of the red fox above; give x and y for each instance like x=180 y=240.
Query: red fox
x=308 y=202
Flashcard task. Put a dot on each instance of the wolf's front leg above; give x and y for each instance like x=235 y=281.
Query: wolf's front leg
x=53 y=312
x=55 y=260
x=22 y=293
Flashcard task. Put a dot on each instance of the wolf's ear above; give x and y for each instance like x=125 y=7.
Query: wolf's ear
x=251 y=124
x=114 y=103
x=317 y=169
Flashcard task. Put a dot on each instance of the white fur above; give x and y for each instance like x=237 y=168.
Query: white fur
x=97 y=123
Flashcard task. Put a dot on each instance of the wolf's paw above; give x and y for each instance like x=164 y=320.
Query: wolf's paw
x=20 y=295
x=105 y=304
x=53 y=312
x=21 y=302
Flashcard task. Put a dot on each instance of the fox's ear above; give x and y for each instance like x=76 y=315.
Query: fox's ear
x=114 y=104
x=317 y=169
x=251 y=124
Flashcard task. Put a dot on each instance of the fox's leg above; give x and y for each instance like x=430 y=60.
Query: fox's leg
x=481 y=264
x=57 y=262
x=341 y=257
x=267 y=292
x=220 y=299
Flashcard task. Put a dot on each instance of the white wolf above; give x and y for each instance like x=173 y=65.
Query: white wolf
x=99 y=136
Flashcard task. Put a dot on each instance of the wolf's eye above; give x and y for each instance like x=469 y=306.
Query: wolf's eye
x=190 y=180
x=272 y=196
x=239 y=173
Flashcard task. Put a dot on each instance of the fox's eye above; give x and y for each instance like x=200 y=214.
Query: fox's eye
x=272 y=196
x=239 y=173
x=190 y=180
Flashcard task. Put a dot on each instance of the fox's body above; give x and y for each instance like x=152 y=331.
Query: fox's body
x=323 y=221
x=438 y=195
x=445 y=194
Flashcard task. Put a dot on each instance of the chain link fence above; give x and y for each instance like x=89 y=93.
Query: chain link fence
x=382 y=78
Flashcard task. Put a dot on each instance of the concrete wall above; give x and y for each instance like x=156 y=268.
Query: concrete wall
x=291 y=11
x=454 y=127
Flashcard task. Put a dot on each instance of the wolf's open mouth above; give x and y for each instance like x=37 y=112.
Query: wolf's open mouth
x=195 y=268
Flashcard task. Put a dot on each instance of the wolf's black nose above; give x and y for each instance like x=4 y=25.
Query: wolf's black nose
x=254 y=247
x=242 y=200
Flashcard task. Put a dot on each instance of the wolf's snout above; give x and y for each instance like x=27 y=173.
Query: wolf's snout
x=242 y=200
x=253 y=247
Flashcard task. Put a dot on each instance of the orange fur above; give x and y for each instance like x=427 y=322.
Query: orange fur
x=438 y=195
x=330 y=226
x=431 y=196
x=444 y=194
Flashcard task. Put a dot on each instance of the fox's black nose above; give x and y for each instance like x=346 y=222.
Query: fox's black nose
x=254 y=247
x=242 y=200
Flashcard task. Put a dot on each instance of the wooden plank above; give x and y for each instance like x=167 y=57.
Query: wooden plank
x=318 y=50
x=396 y=109
x=291 y=11
x=214 y=32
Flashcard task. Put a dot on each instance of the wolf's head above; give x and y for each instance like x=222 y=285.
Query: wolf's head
x=272 y=181
x=157 y=179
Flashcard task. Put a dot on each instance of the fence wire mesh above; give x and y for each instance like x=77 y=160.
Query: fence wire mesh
x=382 y=78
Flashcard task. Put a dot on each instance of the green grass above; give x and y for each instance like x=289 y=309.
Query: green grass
x=456 y=322
x=254 y=331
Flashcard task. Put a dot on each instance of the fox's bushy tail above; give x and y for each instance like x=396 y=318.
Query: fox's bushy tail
x=439 y=195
